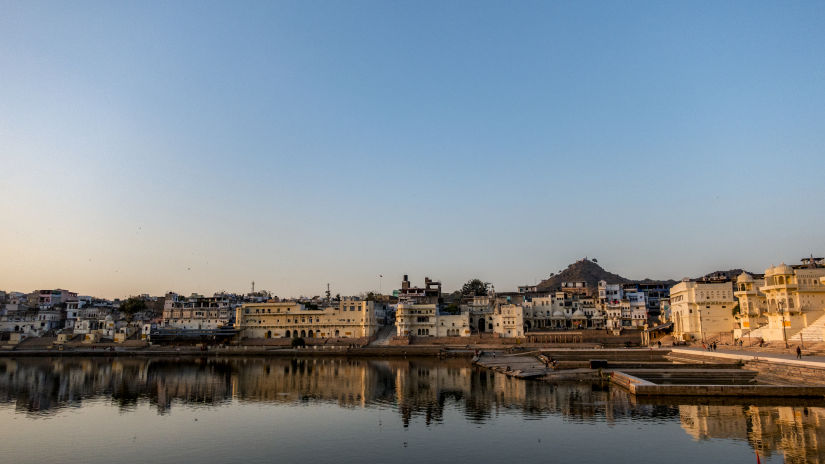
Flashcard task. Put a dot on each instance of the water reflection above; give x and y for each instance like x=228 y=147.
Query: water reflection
x=796 y=431
x=415 y=387
x=412 y=388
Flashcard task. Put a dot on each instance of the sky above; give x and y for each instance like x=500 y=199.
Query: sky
x=196 y=146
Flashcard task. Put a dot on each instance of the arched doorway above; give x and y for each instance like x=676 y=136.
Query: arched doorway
x=268 y=334
x=303 y=333
x=336 y=332
x=309 y=333
x=482 y=325
x=287 y=334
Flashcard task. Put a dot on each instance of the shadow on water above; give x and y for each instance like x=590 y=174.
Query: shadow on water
x=412 y=388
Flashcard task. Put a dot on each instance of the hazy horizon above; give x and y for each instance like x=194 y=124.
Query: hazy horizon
x=198 y=146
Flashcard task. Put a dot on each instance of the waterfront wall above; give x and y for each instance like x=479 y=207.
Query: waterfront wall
x=799 y=371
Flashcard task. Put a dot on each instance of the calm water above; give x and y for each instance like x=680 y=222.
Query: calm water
x=252 y=410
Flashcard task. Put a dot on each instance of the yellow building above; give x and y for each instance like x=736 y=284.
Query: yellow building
x=795 y=303
x=702 y=309
x=752 y=304
x=508 y=321
x=350 y=319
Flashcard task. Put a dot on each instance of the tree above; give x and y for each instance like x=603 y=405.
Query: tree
x=298 y=342
x=474 y=287
x=131 y=306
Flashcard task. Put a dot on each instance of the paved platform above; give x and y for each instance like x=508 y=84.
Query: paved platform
x=751 y=355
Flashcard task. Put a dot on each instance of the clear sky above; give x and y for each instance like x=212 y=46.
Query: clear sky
x=197 y=146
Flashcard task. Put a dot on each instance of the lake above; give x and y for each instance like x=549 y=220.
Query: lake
x=348 y=410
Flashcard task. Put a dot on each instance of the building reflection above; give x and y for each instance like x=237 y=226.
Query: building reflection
x=796 y=432
x=413 y=387
x=417 y=389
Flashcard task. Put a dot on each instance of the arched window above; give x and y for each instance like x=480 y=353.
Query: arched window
x=287 y=334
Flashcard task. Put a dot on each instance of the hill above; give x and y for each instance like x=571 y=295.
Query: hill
x=587 y=270
x=731 y=274
x=583 y=270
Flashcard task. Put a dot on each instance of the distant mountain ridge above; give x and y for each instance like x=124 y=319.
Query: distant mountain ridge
x=731 y=274
x=587 y=270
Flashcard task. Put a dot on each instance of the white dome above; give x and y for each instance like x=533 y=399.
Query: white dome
x=783 y=269
x=744 y=277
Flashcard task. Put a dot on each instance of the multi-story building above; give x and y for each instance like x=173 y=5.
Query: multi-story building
x=752 y=304
x=528 y=288
x=790 y=303
x=508 y=321
x=197 y=312
x=637 y=314
x=49 y=298
x=576 y=288
x=430 y=293
x=702 y=309
x=350 y=318
x=653 y=291
x=417 y=319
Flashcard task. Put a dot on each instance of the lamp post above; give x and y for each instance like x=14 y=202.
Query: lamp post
x=782 y=312
x=701 y=327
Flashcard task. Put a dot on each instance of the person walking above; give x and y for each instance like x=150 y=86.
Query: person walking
x=798 y=353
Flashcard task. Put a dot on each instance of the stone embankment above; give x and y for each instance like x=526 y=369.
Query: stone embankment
x=680 y=372
x=771 y=368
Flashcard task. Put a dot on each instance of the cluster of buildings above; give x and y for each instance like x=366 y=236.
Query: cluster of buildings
x=66 y=314
x=785 y=304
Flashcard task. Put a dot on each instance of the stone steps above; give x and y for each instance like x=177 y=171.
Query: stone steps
x=813 y=333
x=695 y=376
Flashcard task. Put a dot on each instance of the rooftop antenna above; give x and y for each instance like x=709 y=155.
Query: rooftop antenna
x=253 y=286
x=328 y=294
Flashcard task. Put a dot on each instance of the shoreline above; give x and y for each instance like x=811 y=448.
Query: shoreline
x=379 y=351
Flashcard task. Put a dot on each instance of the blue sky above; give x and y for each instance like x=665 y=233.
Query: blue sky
x=196 y=146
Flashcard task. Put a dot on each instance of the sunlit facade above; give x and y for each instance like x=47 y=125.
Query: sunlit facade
x=348 y=319
x=702 y=310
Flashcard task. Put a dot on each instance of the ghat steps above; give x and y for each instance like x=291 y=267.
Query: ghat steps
x=813 y=333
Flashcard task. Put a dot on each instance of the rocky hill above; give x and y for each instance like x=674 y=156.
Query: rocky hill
x=731 y=274
x=587 y=270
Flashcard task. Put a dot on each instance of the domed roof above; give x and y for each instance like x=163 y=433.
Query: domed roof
x=579 y=314
x=557 y=315
x=783 y=269
x=744 y=277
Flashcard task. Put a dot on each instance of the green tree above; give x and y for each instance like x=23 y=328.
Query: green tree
x=474 y=287
x=131 y=306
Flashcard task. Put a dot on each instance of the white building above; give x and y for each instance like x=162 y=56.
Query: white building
x=702 y=310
